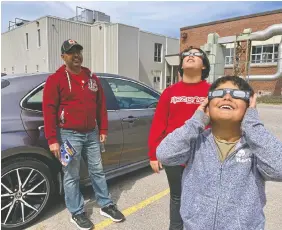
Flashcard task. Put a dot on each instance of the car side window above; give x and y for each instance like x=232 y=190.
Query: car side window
x=131 y=95
x=110 y=97
x=34 y=100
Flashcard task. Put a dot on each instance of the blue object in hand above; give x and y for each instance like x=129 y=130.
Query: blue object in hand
x=67 y=153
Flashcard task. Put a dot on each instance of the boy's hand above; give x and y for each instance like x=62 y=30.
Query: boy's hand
x=103 y=138
x=156 y=165
x=253 y=101
x=203 y=106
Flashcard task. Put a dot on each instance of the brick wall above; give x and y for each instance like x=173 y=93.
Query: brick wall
x=198 y=36
x=274 y=86
x=255 y=70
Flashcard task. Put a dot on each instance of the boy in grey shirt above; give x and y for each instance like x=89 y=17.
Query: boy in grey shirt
x=223 y=185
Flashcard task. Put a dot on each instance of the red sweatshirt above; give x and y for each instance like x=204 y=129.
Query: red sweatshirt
x=73 y=102
x=177 y=104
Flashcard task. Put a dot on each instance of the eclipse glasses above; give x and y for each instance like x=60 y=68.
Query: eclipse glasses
x=235 y=93
x=196 y=54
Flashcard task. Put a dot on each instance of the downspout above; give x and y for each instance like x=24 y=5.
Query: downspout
x=263 y=35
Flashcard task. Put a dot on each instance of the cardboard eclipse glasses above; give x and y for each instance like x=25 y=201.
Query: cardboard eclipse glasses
x=234 y=93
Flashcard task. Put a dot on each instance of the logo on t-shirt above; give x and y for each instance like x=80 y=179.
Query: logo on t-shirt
x=187 y=100
x=243 y=155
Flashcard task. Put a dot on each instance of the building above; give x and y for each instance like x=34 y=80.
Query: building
x=108 y=47
x=221 y=36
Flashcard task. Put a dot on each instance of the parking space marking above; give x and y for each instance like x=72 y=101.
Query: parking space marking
x=133 y=209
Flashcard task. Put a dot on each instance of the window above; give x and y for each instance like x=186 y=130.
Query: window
x=36 y=98
x=37 y=68
x=158 y=52
x=38 y=38
x=4 y=83
x=25 y=68
x=34 y=101
x=265 y=53
x=132 y=95
x=111 y=101
x=26 y=40
x=228 y=56
x=156 y=79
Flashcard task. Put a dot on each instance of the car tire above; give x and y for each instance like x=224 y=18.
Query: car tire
x=25 y=205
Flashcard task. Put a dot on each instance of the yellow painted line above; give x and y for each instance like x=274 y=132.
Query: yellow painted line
x=133 y=209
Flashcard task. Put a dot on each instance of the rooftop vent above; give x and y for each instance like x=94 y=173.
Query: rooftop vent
x=17 y=23
x=89 y=16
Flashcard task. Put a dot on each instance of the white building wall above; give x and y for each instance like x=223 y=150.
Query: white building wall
x=111 y=49
x=128 y=55
x=172 y=46
x=97 y=48
x=60 y=30
x=14 y=52
x=147 y=66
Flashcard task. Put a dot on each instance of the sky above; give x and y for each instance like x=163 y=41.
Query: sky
x=157 y=17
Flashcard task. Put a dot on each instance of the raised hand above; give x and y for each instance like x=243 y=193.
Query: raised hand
x=204 y=106
x=253 y=101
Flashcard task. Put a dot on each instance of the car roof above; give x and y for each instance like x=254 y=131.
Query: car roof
x=44 y=75
x=30 y=81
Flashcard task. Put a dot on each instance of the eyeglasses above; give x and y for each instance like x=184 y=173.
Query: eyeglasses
x=235 y=93
x=195 y=54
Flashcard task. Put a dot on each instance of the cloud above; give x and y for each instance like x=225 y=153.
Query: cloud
x=157 y=17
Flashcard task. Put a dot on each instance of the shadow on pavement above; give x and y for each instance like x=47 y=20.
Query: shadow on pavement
x=116 y=187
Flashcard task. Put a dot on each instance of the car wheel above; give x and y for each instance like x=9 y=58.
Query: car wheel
x=26 y=187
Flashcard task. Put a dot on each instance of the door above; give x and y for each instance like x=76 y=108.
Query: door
x=33 y=122
x=137 y=105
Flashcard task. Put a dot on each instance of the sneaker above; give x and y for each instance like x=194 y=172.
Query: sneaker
x=112 y=212
x=82 y=222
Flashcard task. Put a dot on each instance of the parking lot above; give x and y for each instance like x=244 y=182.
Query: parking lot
x=144 y=196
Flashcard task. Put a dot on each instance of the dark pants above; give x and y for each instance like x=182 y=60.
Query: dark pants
x=174 y=176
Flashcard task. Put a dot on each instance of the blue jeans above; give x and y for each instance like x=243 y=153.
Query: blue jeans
x=88 y=144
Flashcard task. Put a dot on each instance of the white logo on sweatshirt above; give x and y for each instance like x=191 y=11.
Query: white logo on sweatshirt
x=243 y=155
x=187 y=100
x=92 y=85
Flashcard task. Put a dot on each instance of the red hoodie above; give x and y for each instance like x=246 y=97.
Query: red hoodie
x=177 y=104
x=73 y=102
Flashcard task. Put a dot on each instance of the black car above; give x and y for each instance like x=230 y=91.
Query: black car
x=30 y=174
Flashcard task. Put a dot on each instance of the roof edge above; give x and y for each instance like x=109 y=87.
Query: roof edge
x=233 y=19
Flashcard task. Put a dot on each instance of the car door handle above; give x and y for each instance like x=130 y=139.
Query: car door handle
x=40 y=128
x=130 y=119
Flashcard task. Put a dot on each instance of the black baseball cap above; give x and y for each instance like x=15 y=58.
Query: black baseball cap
x=68 y=44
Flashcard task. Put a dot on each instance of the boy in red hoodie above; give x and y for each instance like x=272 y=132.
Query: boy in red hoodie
x=73 y=106
x=177 y=104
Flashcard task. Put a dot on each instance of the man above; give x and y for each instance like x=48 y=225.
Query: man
x=73 y=106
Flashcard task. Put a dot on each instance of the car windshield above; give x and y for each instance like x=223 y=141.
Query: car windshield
x=4 y=83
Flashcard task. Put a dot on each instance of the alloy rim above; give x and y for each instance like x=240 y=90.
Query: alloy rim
x=24 y=193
